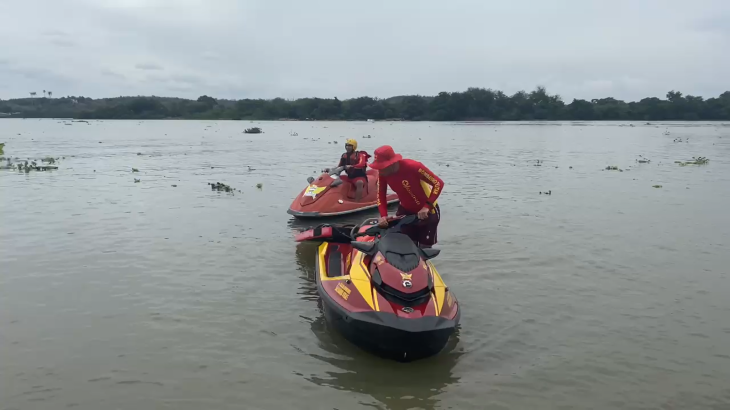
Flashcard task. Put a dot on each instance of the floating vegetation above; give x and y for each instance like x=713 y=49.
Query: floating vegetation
x=135 y=170
x=368 y=136
x=220 y=187
x=139 y=153
x=254 y=130
x=259 y=185
x=293 y=134
x=2 y=148
x=136 y=180
x=695 y=161
x=612 y=168
x=643 y=160
x=26 y=166
x=547 y=193
x=656 y=186
x=174 y=186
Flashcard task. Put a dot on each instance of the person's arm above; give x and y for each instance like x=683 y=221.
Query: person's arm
x=382 y=200
x=437 y=184
x=342 y=162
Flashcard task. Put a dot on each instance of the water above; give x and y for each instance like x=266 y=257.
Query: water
x=607 y=294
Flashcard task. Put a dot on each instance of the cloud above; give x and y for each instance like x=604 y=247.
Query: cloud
x=148 y=66
x=55 y=33
x=63 y=43
x=110 y=73
x=262 y=49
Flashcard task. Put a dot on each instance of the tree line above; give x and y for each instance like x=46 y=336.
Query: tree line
x=472 y=104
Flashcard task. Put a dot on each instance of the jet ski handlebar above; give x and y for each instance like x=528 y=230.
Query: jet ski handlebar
x=394 y=225
x=335 y=172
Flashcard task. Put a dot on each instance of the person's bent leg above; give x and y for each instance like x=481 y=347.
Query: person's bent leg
x=359 y=185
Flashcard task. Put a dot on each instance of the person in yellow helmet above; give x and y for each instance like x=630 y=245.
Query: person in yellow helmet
x=355 y=164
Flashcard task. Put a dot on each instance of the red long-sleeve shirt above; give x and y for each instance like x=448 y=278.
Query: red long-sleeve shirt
x=415 y=185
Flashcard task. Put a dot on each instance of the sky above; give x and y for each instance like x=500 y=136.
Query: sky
x=234 y=49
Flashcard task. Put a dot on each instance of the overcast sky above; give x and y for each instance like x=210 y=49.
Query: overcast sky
x=627 y=49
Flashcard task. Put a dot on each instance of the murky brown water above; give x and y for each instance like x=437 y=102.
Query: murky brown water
x=608 y=294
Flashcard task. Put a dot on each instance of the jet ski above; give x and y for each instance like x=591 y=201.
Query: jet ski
x=381 y=291
x=330 y=195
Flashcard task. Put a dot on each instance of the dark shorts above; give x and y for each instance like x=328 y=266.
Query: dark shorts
x=424 y=233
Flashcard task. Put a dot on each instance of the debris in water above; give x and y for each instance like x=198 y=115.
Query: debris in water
x=135 y=170
x=656 y=186
x=547 y=192
x=220 y=187
x=174 y=186
x=695 y=161
x=254 y=130
x=259 y=185
x=136 y=180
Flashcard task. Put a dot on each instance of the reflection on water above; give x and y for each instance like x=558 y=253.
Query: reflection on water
x=393 y=385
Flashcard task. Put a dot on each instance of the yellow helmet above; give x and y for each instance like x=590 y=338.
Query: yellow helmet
x=351 y=141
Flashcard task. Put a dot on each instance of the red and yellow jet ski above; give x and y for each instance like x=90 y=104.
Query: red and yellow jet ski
x=381 y=291
x=331 y=195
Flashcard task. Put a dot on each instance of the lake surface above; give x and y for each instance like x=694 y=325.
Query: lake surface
x=607 y=294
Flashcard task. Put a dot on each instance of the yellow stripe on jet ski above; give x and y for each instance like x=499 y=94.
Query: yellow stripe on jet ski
x=361 y=280
x=323 y=266
x=358 y=275
x=439 y=288
x=375 y=300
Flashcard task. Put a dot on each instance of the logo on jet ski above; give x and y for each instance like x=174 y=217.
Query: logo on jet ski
x=407 y=280
x=313 y=190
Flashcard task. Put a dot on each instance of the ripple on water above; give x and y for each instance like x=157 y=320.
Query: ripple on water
x=606 y=294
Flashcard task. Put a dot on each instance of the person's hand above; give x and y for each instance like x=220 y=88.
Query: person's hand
x=383 y=222
x=327 y=170
x=348 y=167
x=423 y=213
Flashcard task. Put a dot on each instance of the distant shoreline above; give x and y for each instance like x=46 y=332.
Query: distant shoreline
x=472 y=105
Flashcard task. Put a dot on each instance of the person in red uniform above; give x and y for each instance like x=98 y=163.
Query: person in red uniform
x=355 y=164
x=417 y=188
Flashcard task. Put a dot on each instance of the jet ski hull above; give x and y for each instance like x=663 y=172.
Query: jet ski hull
x=388 y=336
x=370 y=320
x=324 y=197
